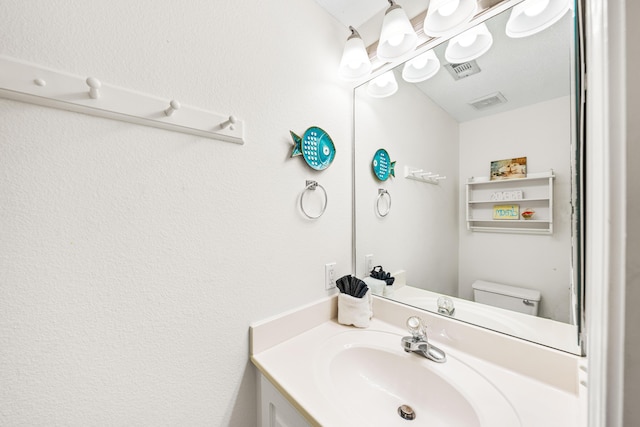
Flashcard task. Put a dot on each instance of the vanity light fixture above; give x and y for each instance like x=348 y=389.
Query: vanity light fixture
x=397 y=37
x=421 y=68
x=446 y=16
x=469 y=45
x=355 y=63
x=382 y=86
x=532 y=16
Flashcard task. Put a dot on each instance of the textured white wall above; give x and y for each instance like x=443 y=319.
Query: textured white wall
x=420 y=233
x=531 y=261
x=132 y=259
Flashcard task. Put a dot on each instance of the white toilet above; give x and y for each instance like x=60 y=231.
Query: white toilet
x=508 y=297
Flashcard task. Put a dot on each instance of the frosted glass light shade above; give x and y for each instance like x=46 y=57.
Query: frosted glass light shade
x=469 y=45
x=355 y=63
x=421 y=68
x=382 y=86
x=447 y=16
x=532 y=16
x=397 y=37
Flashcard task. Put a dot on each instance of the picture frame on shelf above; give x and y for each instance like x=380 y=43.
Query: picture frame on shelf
x=506 y=212
x=514 y=168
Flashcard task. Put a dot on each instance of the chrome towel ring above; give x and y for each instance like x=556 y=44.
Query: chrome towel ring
x=312 y=185
x=381 y=193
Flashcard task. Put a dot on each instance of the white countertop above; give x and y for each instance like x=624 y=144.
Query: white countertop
x=288 y=362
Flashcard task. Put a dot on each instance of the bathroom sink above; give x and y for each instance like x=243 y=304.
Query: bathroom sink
x=368 y=376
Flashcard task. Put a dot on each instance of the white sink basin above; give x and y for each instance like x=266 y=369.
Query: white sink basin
x=368 y=376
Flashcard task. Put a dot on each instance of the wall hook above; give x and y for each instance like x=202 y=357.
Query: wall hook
x=94 y=87
x=40 y=82
x=229 y=123
x=173 y=107
x=422 y=176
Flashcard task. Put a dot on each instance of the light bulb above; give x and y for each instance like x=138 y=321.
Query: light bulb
x=532 y=16
x=447 y=17
x=355 y=63
x=469 y=45
x=382 y=80
x=421 y=68
x=467 y=39
x=397 y=36
x=383 y=85
x=449 y=8
x=536 y=8
x=395 y=39
x=419 y=62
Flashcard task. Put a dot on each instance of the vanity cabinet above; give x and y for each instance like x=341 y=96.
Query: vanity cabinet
x=274 y=409
x=533 y=192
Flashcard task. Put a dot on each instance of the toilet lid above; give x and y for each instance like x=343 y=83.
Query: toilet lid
x=511 y=291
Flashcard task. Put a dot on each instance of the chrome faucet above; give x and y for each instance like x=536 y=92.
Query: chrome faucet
x=445 y=306
x=418 y=342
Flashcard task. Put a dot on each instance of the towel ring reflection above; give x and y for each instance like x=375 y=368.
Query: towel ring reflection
x=381 y=193
x=312 y=185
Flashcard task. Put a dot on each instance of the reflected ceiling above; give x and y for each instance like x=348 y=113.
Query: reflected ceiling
x=547 y=47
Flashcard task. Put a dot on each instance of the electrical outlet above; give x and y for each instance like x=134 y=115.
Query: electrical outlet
x=330 y=276
x=368 y=263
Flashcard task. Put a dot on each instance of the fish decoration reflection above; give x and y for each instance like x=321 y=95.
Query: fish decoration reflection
x=315 y=146
x=382 y=165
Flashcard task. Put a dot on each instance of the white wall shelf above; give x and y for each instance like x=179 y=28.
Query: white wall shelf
x=537 y=192
x=35 y=84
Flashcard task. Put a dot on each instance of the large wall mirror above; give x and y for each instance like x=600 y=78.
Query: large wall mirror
x=515 y=101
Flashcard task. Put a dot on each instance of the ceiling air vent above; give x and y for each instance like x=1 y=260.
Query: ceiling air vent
x=460 y=71
x=488 y=101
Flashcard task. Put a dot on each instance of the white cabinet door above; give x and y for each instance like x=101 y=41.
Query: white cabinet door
x=274 y=409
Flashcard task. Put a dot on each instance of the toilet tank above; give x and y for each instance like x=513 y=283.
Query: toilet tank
x=508 y=297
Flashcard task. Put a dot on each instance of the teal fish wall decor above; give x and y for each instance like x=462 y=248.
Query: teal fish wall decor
x=382 y=165
x=315 y=146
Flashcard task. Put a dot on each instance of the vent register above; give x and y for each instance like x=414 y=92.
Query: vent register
x=466 y=69
x=488 y=101
x=460 y=71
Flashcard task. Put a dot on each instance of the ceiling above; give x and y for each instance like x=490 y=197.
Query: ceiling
x=354 y=12
x=526 y=70
x=367 y=15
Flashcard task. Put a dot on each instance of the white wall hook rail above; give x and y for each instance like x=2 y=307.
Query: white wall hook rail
x=35 y=84
x=422 y=176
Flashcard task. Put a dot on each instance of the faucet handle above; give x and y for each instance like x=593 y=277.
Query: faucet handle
x=416 y=327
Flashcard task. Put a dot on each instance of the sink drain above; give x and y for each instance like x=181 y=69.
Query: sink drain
x=406 y=412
